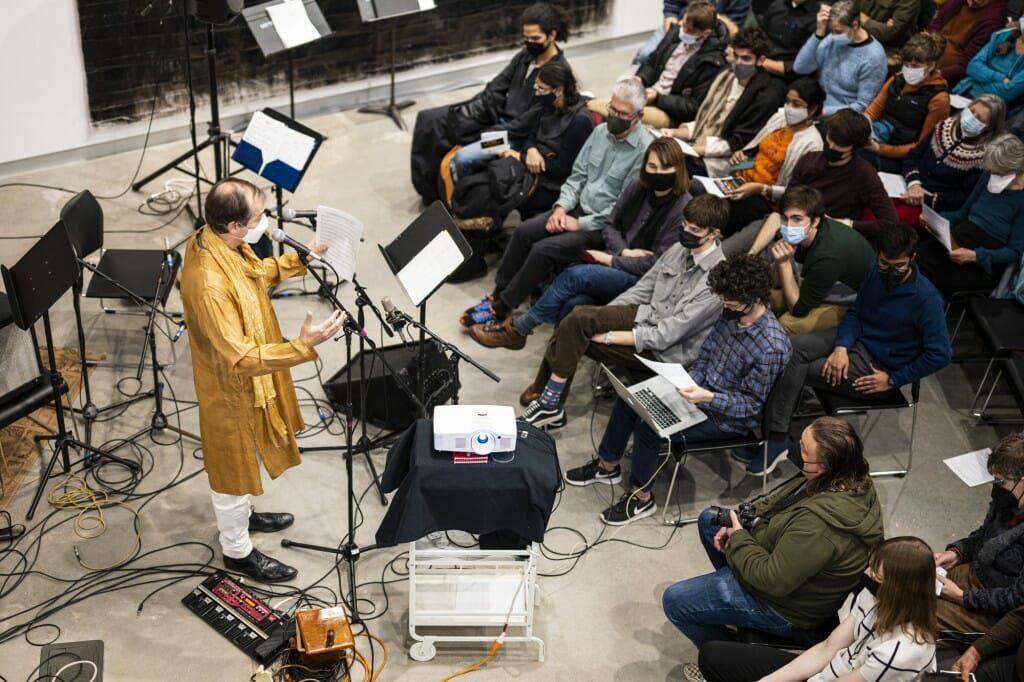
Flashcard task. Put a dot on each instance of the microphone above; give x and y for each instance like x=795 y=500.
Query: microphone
x=279 y=235
x=395 y=317
x=291 y=214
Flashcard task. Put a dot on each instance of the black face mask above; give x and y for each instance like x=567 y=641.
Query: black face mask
x=535 y=49
x=1003 y=498
x=833 y=155
x=891 y=277
x=617 y=126
x=730 y=314
x=547 y=101
x=659 y=182
x=868 y=583
x=690 y=240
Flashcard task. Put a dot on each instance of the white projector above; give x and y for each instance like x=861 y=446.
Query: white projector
x=482 y=429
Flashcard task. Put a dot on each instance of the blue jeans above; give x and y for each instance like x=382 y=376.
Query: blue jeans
x=648 y=48
x=586 y=284
x=646 y=443
x=471 y=154
x=701 y=606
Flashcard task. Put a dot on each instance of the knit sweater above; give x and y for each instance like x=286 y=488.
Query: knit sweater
x=1001 y=216
x=850 y=74
x=946 y=164
x=966 y=30
x=938 y=109
x=986 y=72
x=996 y=553
x=846 y=190
x=804 y=141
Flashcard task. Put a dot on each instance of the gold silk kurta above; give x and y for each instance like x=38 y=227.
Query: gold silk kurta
x=225 y=359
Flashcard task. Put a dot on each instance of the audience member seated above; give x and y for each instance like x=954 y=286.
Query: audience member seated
x=890 y=22
x=733 y=373
x=611 y=157
x=644 y=223
x=988 y=230
x=985 y=577
x=995 y=70
x=833 y=262
x=942 y=169
x=967 y=26
x=547 y=155
x=887 y=634
x=794 y=568
x=850 y=63
x=909 y=105
x=893 y=334
x=677 y=76
x=848 y=184
x=733 y=10
x=506 y=103
x=788 y=25
x=665 y=316
x=775 y=150
x=737 y=104
x=999 y=655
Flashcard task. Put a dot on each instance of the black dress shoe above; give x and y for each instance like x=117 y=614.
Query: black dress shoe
x=261 y=567
x=269 y=523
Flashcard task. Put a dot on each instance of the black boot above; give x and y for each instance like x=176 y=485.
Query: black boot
x=269 y=523
x=261 y=567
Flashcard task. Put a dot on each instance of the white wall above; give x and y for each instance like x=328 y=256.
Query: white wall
x=44 y=114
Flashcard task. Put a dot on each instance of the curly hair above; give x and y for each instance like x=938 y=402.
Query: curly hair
x=743 y=278
x=753 y=39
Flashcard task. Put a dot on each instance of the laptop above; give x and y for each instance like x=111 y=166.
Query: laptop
x=658 y=403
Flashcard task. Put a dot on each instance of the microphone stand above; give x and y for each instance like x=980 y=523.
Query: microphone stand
x=348 y=549
x=363 y=445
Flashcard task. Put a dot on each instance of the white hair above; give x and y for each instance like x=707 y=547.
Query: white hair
x=632 y=91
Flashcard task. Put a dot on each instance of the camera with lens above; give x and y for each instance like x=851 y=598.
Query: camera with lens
x=745 y=513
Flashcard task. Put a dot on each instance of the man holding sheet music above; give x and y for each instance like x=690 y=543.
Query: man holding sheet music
x=248 y=411
x=987 y=232
x=733 y=374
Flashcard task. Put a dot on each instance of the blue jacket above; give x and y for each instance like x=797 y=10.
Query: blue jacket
x=1001 y=216
x=904 y=330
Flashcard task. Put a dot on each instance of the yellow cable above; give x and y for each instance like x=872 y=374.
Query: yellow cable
x=384 y=650
x=498 y=643
x=90 y=522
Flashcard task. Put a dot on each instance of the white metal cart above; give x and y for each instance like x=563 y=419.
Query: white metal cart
x=470 y=588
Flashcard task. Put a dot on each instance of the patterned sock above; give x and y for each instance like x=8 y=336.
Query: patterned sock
x=552 y=394
x=501 y=310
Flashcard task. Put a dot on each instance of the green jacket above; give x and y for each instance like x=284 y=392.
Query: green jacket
x=804 y=560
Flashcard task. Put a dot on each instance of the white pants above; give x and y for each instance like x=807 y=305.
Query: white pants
x=232 y=512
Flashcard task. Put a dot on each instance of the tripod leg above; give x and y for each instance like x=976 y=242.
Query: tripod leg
x=170 y=165
x=59 y=450
x=364 y=446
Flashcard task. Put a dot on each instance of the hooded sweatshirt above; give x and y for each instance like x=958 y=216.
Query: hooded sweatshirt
x=803 y=559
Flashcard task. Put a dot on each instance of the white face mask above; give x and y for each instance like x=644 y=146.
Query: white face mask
x=997 y=183
x=913 y=75
x=794 y=115
x=253 y=235
x=686 y=38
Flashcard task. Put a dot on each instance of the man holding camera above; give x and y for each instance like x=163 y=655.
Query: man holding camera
x=801 y=550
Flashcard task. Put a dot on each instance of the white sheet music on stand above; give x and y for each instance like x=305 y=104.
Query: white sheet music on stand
x=972 y=467
x=673 y=371
x=937 y=225
x=341 y=232
x=292 y=23
x=441 y=257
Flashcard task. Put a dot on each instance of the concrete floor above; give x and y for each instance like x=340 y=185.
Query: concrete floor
x=602 y=620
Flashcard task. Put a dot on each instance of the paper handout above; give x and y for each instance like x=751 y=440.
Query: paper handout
x=341 y=232
x=673 y=371
x=971 y=467
x=937 y=225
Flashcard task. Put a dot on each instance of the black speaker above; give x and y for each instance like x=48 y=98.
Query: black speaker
x=387 y=405
x=214 y=11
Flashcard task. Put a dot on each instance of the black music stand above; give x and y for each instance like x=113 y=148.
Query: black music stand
x=373 y=11
x=34 y=284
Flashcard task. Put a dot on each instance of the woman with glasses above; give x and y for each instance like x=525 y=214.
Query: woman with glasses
x=985 y=570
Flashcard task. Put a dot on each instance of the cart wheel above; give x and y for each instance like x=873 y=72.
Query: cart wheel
x=422 y=651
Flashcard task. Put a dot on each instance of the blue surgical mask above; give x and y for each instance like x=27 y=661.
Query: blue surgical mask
x=793 y=235
x=970 y=124
x=686 y=37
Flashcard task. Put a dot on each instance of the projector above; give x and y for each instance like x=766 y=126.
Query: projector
x=482 y=429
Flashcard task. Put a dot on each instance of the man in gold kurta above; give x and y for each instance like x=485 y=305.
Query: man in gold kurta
x=248 y=411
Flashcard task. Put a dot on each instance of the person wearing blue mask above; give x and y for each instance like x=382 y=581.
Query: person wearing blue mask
x=833 y=258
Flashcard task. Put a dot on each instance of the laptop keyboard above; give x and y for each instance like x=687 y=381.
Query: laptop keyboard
x=659 y=411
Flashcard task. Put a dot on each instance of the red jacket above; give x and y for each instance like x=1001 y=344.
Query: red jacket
x=991 y=19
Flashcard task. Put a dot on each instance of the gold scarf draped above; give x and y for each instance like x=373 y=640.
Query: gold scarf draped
x=239 y=266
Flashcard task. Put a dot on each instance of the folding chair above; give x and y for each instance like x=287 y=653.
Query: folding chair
x=1000 y=323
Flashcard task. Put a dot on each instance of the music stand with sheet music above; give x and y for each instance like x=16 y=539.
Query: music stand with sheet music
x=34 y=284
x=372 y=11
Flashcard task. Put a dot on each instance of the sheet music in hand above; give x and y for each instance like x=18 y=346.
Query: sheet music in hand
x=937 y=225
x=341 y=232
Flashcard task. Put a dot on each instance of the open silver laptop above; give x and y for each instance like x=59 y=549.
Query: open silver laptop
x=658 y=403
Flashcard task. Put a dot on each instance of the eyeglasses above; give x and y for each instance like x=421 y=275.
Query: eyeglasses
x=621 y=114
x=1001 y=481
x=539 y=90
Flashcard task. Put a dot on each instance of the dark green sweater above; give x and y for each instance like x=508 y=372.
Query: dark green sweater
x=837 y=254
x=804 y=560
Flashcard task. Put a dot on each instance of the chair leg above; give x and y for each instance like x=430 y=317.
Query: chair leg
x=900 y=473
x=956 y=328
x=995 y=382
x=679 y=521
x=981 y=386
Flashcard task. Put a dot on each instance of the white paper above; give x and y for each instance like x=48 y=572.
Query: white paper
x=429 y=267
x=971 y=467
x=426 y=4
x=675 y=373
x=277 y=142
x=959 y=102
x=341 y=232
x=939 y=570
x=937 y=225
x=494 y=142
x=292 y=23
x=685 y=146
x=895 y=185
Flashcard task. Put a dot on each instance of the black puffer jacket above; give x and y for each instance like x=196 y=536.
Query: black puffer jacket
x=693 y=80
x=996 y=552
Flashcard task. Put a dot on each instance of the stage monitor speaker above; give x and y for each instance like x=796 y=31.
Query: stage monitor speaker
x=214 y=11
x=387 y=405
